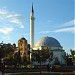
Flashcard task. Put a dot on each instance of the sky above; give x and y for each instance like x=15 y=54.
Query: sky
x=53 y=18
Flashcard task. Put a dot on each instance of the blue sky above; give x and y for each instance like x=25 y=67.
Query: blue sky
x=53 y=18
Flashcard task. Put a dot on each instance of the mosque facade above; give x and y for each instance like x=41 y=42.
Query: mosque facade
x=44 y=43
x=54 y=47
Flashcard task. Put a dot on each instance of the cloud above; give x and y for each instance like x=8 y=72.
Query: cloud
x=16 y=21
x=11 y=17
x=66 y=27
x=70 y=23
x=3 y=13
x=70 y=29
x=22 y=26
x=45 y=32
x=6 y=30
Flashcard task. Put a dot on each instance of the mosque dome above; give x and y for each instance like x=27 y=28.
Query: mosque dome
x=48 y=41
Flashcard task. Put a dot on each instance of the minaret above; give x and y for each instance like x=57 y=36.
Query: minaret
x=32 y=27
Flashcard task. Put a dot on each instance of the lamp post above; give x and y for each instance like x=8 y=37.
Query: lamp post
x=40 y=63
x=2 y=68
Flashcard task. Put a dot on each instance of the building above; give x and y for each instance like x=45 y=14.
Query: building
x=45 y=42
x=23 y=47
x=54 y=46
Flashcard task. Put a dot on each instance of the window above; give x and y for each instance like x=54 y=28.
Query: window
x=21 y=44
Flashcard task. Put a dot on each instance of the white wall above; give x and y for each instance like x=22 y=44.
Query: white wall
x=58 y=54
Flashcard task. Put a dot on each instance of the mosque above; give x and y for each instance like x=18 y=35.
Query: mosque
x=44 y=43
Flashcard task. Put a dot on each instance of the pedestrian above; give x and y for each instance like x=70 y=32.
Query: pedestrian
x=52 y=68
x=48 y=67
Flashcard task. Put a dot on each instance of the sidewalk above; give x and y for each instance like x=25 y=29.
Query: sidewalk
x=5 y=73
x=64 y=73
x=73 y=73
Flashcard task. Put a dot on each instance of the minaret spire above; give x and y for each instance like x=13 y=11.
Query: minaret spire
x=32 y=8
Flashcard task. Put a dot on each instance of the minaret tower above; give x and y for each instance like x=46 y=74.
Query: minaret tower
x=32 y=27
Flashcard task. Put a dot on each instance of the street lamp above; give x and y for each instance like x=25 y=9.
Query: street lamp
x=40 y=63
x=2 y=68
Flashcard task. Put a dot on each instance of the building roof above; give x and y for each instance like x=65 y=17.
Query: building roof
x=22 y=38
x=48 y=41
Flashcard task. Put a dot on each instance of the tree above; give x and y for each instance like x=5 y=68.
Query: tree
x=24 y=61
x=17 y=58
x=72 y=53
x=5 y=49
x=40 y=55
x=68 y=59
x=6 y=52
x=9 y=59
